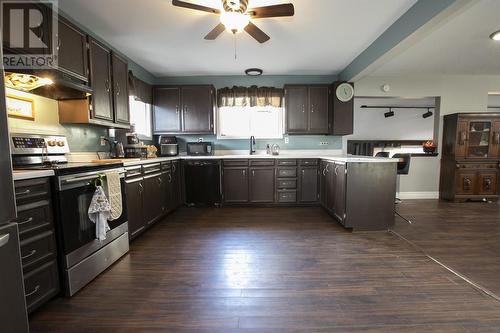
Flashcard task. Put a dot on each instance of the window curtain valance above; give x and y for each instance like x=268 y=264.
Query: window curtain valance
x=141 y=90
x=249 y=96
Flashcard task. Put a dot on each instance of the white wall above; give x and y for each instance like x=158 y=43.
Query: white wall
x=458 y=93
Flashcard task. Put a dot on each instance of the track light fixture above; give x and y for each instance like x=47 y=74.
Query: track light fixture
x=427 y=114
x=389 y=113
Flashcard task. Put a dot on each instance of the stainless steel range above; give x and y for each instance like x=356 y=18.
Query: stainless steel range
x=82 y=257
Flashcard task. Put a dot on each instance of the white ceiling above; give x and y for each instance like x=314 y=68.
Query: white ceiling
x=459 y=46
x=322 y=38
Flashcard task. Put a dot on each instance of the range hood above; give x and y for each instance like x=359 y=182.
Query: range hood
x=48 y=83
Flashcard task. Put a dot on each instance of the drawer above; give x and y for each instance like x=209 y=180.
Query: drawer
x=287 y=196
x=287 y=162
x=287 y=172
x=151 y=168
x=166 y=166
x=32 y=190
x=34 y=216
x=37 y=250
x=477 y=165
x=309 y=162
x=266 y=162
x=287 y=183
x=40 y=285
x=133 y=171
x=235 y=163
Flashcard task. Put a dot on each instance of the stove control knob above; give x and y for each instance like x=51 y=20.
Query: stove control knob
x=60 y=143
x=51 y=143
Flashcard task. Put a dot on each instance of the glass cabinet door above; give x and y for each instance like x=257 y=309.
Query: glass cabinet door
x=478 y=139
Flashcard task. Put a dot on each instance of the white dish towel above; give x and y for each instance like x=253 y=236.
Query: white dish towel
x=99 y=213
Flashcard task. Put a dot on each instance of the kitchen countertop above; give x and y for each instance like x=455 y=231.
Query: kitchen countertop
x=340 y=158
x=31 y=174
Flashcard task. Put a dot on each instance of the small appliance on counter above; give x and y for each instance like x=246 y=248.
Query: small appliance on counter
x=136 y=152
x=199 y=148
x=168 y=146
x=275 y=149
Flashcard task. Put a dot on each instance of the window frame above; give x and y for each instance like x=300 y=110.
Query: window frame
x=148 y=114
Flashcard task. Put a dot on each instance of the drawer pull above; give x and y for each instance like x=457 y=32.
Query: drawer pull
x=28 y=255
x=25 y=221
x=28 y=191
x=33 y=292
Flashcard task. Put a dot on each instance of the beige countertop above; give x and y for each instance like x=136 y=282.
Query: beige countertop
x=31 y=174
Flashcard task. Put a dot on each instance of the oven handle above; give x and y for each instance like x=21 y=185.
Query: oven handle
x=79 y=179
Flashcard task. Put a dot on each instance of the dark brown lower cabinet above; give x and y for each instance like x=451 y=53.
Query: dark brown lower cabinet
x=262 y=185
x=339 y=173
x=308 y=180
x=134 y=189
x=175 y=187
x=235 y=185
x=153 y=197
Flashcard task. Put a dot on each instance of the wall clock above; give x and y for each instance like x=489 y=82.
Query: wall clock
x=345 y=92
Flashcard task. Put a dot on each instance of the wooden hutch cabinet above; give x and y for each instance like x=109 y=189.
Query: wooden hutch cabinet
x=471 y=157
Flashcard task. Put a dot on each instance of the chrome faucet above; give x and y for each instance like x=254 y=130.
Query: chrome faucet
x=252 y=145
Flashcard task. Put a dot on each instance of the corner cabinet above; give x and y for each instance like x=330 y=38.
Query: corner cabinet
x=184 y=109
x=470 y=157
x=108 y=104
x=307 y=109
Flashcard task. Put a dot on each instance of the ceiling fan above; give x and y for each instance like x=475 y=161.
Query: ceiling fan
x=235 y=16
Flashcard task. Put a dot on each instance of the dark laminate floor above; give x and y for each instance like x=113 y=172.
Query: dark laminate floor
x=270 y=270
x=463 y=236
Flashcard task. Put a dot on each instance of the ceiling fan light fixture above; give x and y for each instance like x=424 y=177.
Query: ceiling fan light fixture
x=253 y=71
x=234 y=21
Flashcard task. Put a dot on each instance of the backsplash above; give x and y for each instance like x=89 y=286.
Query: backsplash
x=295 y=142
x=85 y=138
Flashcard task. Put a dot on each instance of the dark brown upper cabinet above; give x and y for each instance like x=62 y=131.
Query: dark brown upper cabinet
x=184 y=109
x=72 y=55
x=120 y=90
x=108 y=104
x=342 y=119
x=307 y=109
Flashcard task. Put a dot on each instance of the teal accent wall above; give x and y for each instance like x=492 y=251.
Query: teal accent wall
x=295 y=142
x=221 y=81
x=85 y=138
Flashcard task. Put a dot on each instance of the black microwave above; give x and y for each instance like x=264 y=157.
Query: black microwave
x=199 y=148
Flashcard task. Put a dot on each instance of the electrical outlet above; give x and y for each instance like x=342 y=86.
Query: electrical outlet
x=200 y=139
x=103 y=141
x=287 y=140
x=323 y=143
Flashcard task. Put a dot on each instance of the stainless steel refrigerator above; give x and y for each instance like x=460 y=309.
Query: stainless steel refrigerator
x=13 y=315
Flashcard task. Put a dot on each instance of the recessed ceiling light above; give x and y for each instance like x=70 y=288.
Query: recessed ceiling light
x=495 y=35
x=253 y=71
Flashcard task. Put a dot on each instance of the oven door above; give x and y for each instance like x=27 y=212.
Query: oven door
x=77 y=231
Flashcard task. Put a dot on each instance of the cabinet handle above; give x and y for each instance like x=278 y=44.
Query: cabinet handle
x=106 y=85
x=467 y=184
x=336 y=170
x=312 y=108
x=303 y=108
x=160 y=181
x=177 y=109
x=253 y=173
x=24 y=192
x=141 y=188
x=497 y=138
x=173 y=167
x=28 y=220
x=118 y=90
x=303 y=172
x=58 y=43
x=244 y=173
x=33 y=292
x=185 y=109
x=462 y=138
x=487 y=184
x=4 y=239
x=169 y=178
x=28 y=255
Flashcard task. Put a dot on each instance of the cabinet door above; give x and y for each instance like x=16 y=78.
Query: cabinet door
x=340 y=191
x=330 y=187
x=479 y=139
x=465 y=182
x=235 y=185
x=323 y=183
x=152 y=198
x=197 y=109
x=166 y=191
x=308 y=184
x=296 y=109
x=120 y=90
x=461 y=140
x=262 y=185
x=176 y=185
x=167 y=104
x=487 y=183
x=134 y=191
x=495 y=140
x=72 y=50
x=318 y=109
x=100 y=79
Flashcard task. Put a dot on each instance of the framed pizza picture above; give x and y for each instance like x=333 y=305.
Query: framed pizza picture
x=20 y=107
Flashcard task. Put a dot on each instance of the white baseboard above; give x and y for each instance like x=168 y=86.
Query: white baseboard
x=417 y=195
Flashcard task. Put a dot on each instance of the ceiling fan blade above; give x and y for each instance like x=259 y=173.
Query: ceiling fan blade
x=272 y=11
x=256 y=33
x=215 y=32
x=194 y=6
